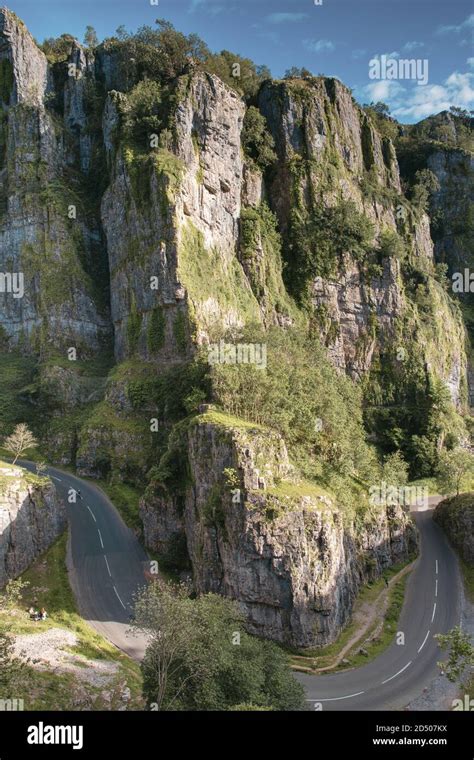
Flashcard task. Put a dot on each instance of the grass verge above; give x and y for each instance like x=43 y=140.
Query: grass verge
x=47 y=690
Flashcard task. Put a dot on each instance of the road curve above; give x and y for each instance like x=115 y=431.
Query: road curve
x=106 y=562
x=432 y=605
x=107 y=566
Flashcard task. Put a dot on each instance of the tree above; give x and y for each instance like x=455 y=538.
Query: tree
x=58 y=49
x=121 y=33
x=201 y=658
x=296 y=73
x=239 y=73
x=257 y=141
x=90 y=37
x=455 y=470
x=426 y=183
x=379 y=108
x=20 y=441
x=395 y=470
x=142 y=112
x=461 y=653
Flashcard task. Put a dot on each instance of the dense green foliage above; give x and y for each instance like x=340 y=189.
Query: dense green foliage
x=300 y=394
x=17 y=391
x=317 y=242
x=201 y=658
x=143 y=115
x=257 y=141
x=58 y=49
x=455 y=471
x=408 y=409
x=163 y=53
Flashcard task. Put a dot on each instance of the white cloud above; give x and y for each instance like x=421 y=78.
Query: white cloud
x=359 y=53
x=457 y=90
x=468 y=23
x=413 y=45
x=384 y=89
x=318 y=46
x=470 y=62
x=286 y=18
x=393 y=54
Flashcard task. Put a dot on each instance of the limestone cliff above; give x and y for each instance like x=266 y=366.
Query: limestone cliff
x=254 y=531
x=32 y=516
x=44 y=232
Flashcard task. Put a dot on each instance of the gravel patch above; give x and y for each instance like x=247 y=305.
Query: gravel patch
x=47 y=651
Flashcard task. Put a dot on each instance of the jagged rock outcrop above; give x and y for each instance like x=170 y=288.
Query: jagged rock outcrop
x=456 y=517
x=256 y=533
x=32 y=516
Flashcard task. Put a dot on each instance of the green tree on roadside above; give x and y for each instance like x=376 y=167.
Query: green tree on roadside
x=461 y=654
x=455 y=470
x=201 y=658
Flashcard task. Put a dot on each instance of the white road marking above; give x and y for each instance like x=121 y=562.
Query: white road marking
x=436 y=588
x=54 y=478
x=119 y=598
x=424 y=642
x=397 y=674
x=434 y=612
x=436 y=567
x=108 y=568
x=93 y=515
x=100 y=536
x=335 y=699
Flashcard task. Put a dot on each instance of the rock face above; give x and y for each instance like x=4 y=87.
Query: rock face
x=24 y=66
x=38 y=238
x=456 y=517
x=329 y=150
x=257 y=534
x=451 y=207
x=32 y=516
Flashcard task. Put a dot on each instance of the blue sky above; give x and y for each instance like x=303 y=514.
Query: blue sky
x=336 y=38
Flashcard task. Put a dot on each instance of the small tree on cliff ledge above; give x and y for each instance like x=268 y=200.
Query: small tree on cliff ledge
x=20 y=441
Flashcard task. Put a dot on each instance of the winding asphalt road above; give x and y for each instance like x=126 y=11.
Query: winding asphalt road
x=106 y=562
x=107 y=565
x=432 y=605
